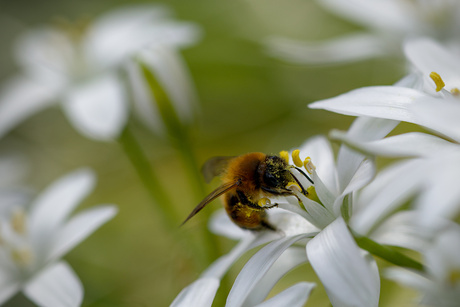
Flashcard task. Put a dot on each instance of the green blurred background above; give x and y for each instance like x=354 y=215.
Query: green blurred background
x=249 y=102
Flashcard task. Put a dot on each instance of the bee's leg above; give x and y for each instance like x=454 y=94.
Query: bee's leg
x=271 y=206
x=277 y=192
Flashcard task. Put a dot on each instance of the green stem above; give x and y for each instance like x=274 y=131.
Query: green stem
x=387 y=253
x=148 y=177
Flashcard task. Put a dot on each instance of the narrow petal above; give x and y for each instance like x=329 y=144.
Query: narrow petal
x=429 y=56
x=412 y=144
x=289 y=260
x=256 y=268
x=55 y=204
x=388 y=102
x=98 y=109
x=348 y=278
x=79 y=228
x=199 y=294
x=220 y=224
x=57 y=285
x=343 y=49
x=389 y=190
x=20 y=98
x=296 y=295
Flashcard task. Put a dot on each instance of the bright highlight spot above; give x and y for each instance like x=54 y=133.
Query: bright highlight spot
x=263 y=202
x=438 y=81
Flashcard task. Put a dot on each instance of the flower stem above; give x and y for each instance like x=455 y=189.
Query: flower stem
x=387 y=253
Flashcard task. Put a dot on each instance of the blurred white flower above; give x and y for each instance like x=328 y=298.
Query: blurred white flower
x=440 y=285
x=433 y=103
x=388 y=23
x=80 y=68
x=33 y=241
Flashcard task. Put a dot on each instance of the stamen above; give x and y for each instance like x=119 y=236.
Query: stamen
x=455 y=91
x=309 y=166
x=263 y=202
x=454 y=277
x=18 y=221
x=296 y=158
x=22 y=256
x=285 y=156
x=438 y=81
x=293 y=186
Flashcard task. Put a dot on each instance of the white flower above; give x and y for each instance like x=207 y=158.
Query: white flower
x=389 y=22
x=33 y=241
x=81 y=69
x=440 y=285
x=432 y=103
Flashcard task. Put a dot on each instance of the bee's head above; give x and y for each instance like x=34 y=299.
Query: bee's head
x=274 y=174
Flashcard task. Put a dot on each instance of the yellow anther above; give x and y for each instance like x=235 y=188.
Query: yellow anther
x=309 y=166
x=22 y=257
x=438 y=81
x=455 y=91
x=454 y=277
x=285 y=156
x=18 y=221
x=293 y=185
x=296 y=158
x=263 y=202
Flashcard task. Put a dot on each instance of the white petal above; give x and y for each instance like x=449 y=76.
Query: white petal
x=296 y=295
x=388 y=102
x=20 y=98
x=389 y=190
x=338 y=50
x=57 y=285
x=220 y=224
x=55 y=204
x=348 y=278
x=439 y=115
x=408 y=278
x=120 y=33
x=79 y=228
x=256 y=268
x=383 y=15
x=290 y=259
x=199 y=294
x=405 y=145
x=319 y=149
x=429 y=56
x=364 y=129
x=98 y=109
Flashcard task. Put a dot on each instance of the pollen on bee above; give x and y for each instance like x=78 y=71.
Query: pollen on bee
x=263 y=202
x=296 y=158
x=309 y=166
x=285 y=156
x=437 y=80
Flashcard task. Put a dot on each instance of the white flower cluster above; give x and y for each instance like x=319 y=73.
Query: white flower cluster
x=357 y=212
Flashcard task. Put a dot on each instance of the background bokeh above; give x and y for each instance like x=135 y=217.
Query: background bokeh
x=249 y=102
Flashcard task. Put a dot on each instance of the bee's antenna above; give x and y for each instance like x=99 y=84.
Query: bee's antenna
x=305 y=175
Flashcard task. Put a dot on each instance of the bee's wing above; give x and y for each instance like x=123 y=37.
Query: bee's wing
x=214 y=167
x=214 y=194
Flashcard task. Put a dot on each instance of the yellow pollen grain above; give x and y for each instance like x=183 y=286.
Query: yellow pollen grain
x=309 y=166
x=437 y=80
x=285 y=156
x=296 y=158
x=264 y=202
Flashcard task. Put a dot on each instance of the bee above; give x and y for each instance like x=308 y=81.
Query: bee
x=248 y=181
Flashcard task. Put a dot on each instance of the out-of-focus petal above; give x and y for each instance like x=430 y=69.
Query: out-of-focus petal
x=296 y=295
x=57 y=285
x=412 y=144
x=22 y=97
x=256 y=268
x=344 y=49
x=199 y=294
x=55 y=204
x=347 y=276
x=98 y=108
x=79 y=228
x=428 y=56
x=290 y=259
x=120 y=33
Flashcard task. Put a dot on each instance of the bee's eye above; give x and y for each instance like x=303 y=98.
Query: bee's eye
x=271 y=178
